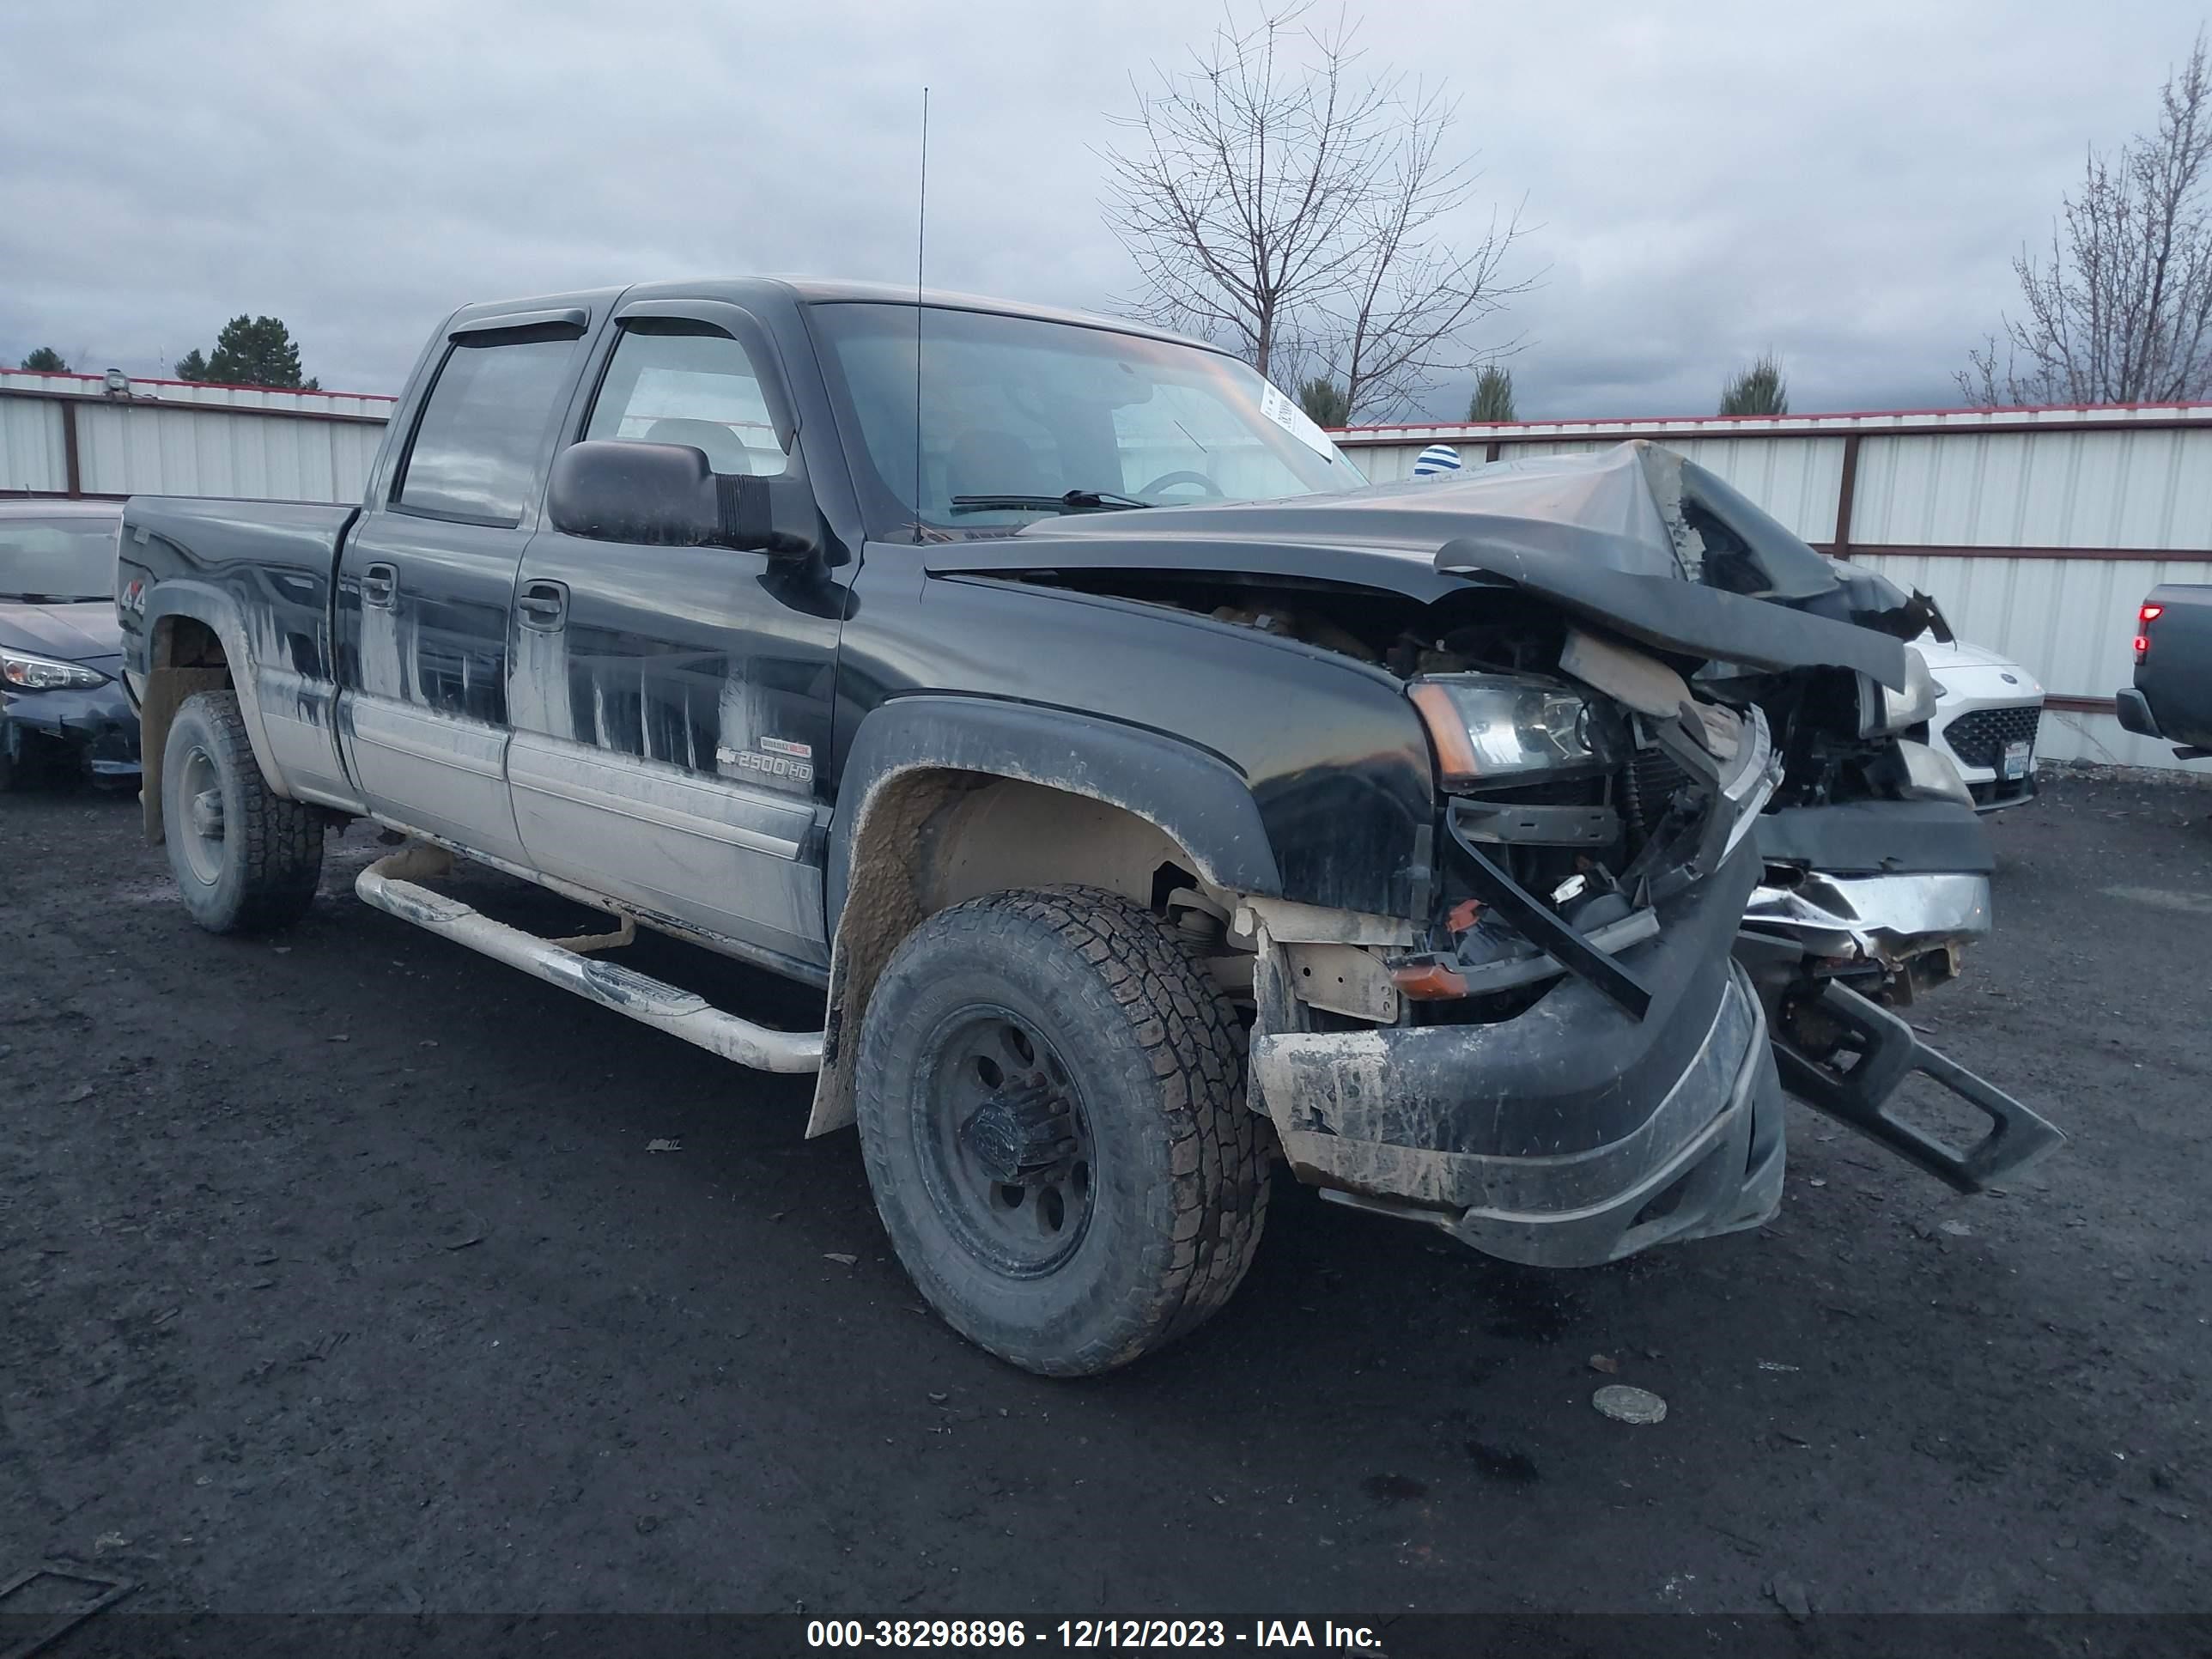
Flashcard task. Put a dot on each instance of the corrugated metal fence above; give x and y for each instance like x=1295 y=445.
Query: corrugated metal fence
x=72 y=435
x=2039 y=531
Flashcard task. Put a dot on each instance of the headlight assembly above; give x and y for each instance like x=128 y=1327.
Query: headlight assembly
x=1500 y=728
x=1884 y=712
x=29 y=673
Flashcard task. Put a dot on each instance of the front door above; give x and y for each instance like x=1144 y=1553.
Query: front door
x=670 y=704
x=426 y=583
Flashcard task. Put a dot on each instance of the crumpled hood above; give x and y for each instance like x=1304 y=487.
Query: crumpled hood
x=79 y=632
x=1633 y=538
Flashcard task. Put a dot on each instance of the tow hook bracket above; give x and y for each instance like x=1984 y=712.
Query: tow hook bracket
x=1887 y=1053
x=1546 y=930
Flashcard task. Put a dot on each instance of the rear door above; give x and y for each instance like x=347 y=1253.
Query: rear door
x=671 y=704
x=426 y=580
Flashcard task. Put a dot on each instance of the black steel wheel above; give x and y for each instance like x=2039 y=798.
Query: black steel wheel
x=1005 y=1139
x=1051 y=1105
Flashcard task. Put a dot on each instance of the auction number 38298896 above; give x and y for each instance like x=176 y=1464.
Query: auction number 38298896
x=1078 y=1633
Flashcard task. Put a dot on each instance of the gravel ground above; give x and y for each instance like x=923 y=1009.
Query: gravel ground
x=341 y=1272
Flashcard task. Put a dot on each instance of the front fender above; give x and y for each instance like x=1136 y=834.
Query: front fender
x=1194 y=798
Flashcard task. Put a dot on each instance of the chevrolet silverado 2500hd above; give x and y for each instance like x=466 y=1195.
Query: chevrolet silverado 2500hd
x=1146 y=796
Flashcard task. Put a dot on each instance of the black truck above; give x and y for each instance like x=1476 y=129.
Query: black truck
x=1150 y=800
x=2172 y=697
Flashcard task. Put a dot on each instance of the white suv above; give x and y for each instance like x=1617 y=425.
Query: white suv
x=1986 y=719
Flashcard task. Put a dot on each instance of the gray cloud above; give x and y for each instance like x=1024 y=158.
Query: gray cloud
x=1843 y=185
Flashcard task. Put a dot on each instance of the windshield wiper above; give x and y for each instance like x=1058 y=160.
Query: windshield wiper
x=1075 y=501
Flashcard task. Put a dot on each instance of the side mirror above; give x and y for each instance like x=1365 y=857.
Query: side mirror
x=666 y=496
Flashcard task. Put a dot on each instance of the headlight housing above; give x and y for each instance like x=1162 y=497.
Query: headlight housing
x=29 y=673
x=1503 y=728
x=1884 y=712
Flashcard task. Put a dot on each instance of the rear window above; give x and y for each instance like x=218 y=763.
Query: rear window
x=477 y=444
x=56 y=560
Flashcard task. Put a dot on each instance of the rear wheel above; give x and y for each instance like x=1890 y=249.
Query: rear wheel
x=1051 y=1103
x=246 y=859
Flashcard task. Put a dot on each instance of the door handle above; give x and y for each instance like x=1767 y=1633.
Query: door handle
x=544 y=604
x=379 y=583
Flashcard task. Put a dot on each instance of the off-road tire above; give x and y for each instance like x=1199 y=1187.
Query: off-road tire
x=269 y=857
x=1179 y=1193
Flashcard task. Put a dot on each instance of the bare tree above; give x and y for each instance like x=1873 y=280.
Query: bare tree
x=1758 y=388
x=2121 y=311
x=1280 y=199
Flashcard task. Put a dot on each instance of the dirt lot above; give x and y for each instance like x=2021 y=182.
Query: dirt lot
x=340 y=1271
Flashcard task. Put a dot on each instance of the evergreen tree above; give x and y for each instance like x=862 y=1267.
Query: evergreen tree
x=250 y=351
x=1493 y=395
x=1758 y=389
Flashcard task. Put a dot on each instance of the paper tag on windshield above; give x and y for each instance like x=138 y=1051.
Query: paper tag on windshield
x=1285 y=413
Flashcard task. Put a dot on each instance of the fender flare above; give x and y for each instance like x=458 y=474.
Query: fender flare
x=1191 y=795
x=203 y=603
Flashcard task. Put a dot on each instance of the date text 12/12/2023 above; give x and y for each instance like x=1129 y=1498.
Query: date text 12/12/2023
x=1076 y=1634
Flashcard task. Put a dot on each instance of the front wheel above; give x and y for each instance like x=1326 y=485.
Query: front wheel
x=246 y=859
x=1051 y=1109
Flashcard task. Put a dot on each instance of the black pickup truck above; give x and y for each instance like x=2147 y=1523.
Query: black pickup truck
x=1150 y=800
x=2172 y=698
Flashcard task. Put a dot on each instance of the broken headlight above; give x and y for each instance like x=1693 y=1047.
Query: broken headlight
x=1884 y=712
x=1501 y=728
x=29 y=673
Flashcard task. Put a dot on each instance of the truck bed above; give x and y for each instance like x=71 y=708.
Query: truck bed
x=275 y=559
x=251 y=582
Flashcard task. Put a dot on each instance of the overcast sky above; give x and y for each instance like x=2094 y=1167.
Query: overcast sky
x=1845 y=184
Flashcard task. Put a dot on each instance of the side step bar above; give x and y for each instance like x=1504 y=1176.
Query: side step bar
x=652 y=1002
x=1887 y=1052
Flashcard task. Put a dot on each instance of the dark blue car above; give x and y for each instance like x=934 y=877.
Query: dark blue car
x=62 y=700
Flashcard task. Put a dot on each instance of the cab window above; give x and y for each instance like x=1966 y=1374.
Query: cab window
x=676 y=382
x=482 y=431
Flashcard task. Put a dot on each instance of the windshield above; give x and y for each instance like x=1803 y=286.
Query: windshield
x=56 y=560
x=1023 y=418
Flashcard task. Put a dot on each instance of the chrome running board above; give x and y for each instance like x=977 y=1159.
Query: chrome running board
x=649 y=1001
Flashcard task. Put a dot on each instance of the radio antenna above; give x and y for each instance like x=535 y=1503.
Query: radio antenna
x=920 y=233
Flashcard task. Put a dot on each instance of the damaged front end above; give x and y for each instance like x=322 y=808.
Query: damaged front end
x=1575 y=1069
x=1882 y=896
x=1687 y=842
x=1864 y=906
x=1741 y=853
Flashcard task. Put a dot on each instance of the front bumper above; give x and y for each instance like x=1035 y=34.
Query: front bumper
x=1570 y=1134
x=1995 y=794
x=98 y=728
x=1910 y=927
